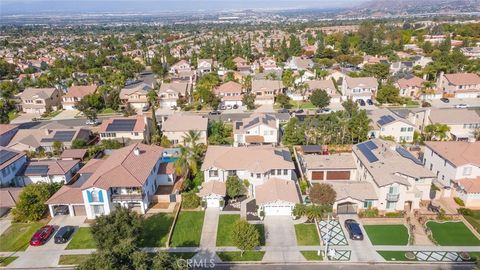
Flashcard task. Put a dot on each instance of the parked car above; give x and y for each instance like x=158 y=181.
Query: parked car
x=283 y=110
x=461 y=106
x=41 y=236
x=235 y=106
x=369 y=102
x=445 y=100
x=361 y=102
x=229 y=107
x=353 y=229
x=62 y=210
x=222 y=107
x=94 y=122
x=63 y=234
x=146 y=108
x=214 y=113
x=299 y=111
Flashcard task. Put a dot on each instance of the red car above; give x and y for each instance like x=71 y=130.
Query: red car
x=42 y=235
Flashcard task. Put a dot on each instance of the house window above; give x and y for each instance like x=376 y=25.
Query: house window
x=391 y=205
x=213 y=173
x=403 y=129
x=410 y=129
x=95 y=197
x=231 y=172
x=259 y=175
x=98 y=210
x=272 y=172
x=367 y=203
x=467 y=171
x=285 y=172
x=279 y=172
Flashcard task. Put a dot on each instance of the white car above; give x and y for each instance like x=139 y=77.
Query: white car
x=461 y=106
x=93 y=122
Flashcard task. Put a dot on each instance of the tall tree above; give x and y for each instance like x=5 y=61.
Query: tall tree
x=245 y=236
x=320 y=98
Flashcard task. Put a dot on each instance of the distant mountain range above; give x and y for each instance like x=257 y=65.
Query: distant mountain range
x=397 y=7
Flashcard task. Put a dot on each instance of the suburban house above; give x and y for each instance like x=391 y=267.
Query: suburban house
x=267 y=64
x=266 y=90
x=74 y=154
x=11 y=161
x=299 y=63
x=10 y=196
x=75 y=94
x=359 y=88
x=241 y=63
x=387 y=124
x=125 y=129
x=460 y=85
x=43 y=139
x=40 y=100
x=398 y=178
x=169 y=94
x=259 y=165
x=189 y=76
x=256 y=129
x=6 y=133
x=320 y=168
x=180 y=66
x=457 y=166
x=204 y=66
x=462 y=122
x=326 y=85
x=175 y=127
x=136 y=96
x=129 y=177
x=471 y=52
x=401 y=66
x=231 y=93
x=410 y=86
x=48 y=171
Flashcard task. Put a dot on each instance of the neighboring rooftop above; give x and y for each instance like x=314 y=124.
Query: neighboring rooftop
x=274 y=190
x=358 y=190
x=463 y=78
x=9 y=196
x=124 y=124
x=213 y=187
x=4 y=128
x=457 y=152
x=254 y=120
x=81 y=90
x=9 y=156
x=334 y=161
x=382 y=117
x=47 y=167
x=455 y=116
x=361 y=82
x=185 y=122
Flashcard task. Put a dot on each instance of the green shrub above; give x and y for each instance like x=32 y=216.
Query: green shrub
x=459 y=201
x=369 y=213
x=303 y=186
x=394 y=214
x=465 y=211
x=190 y=200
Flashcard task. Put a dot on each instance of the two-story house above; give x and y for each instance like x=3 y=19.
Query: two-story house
x=75 y=94
x=125 y=129
x=257 y=129
x=269 y=172
x=230 y=93
x=266 y=90
x=204 y=66
x=6 y=133
x=129 y=177
x=169 y=94
x=48 y=171
x=410 y=86
x=327 y=86
x=11 y=161
x=40 y=100
x=387 y=124
x=180 y=66
x=460 y=85
x=321 y=168
x=175 y=127
x=299 y=63
x=359 y=88
x=136 y=96
x=462 y=122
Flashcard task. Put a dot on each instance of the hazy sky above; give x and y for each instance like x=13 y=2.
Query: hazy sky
x=155 y=6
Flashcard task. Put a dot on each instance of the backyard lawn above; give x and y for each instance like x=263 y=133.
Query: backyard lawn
x=452 y=234
x=395 y=235
x=188 y=229
x=394 y=255
x=82 y=239
x=4 y=261
x=155 y=230
x=72 y=259
x=17 y=236
x=229 y=256
x=307 y=235
x=225 y=226
x=311 y=255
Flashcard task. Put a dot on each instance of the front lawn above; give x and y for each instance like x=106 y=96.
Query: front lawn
x=17 y=236
x=5 y=261
x=395 y=235
x=155 y=230
x=261 y=231
x=297 y=104
x=307 y=235
x=229 y=256
x=474 y=219
x=224 y=231
x=311 y=255
x=394 y=255
x=72 y=259
x=188 y=229
x=82 y=239
x=452 y=234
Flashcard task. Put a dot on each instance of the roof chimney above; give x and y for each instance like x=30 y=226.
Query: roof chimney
x=136 y=151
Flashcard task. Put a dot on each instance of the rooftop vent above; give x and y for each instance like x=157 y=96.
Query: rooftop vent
x=136 y=151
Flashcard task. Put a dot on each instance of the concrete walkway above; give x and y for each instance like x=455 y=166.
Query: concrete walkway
x=243 y=207
x=4 y=224
x=208 y=239
x=281 y=240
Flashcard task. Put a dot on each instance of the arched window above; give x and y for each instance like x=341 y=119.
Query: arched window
x=95 y=196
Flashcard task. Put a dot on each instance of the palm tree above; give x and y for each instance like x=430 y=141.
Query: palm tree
x=191 y=138
x=441 y=131
x=152 y=97
x=427 y=88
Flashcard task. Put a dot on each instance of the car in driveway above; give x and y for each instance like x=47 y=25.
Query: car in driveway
x=93 y=122
x=41 y=236
x=353 y=229
x=361 y=102
x=369 y=102
x=461 y=106
x=63 y=234
x=214 y=113
x=445 y=100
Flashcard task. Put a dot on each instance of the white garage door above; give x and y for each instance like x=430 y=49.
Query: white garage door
x=213 y=202
x=283 y=210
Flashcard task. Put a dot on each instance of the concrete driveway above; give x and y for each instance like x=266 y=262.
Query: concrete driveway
x=4 y=224
x=66 y=114
x=65 y=220
x=362 y=251
x=280 y=237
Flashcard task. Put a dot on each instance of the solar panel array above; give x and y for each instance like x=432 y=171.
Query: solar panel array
x=6 y=155
x=61 y=136
x=404 y=153
x=36 y=170
x=385 y=119
x=122 y=125
x=371 y=145
x=367 y=152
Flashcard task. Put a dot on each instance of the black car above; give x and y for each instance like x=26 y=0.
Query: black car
x=361 y=102
x=235 y=106
x=63 y=234
x=214 y=113
x=445 y=100
x=354 y=229
x=369 y=102
x=299 y=111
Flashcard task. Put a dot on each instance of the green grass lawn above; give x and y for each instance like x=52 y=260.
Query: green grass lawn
x=261 y=232
x=452 y=234
x=475 y=256
x=474 y=219
x=17 y=236
x=82 y=239
x=188 y=229
x=395 y=235
x=155 y=230
x=307 y=235
x=72 y=259
x=311 y=255
x=225 y=227
x=295 y=105
x=12 y=115
x=5 y=261
x=230 y=256
x=394 y=255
